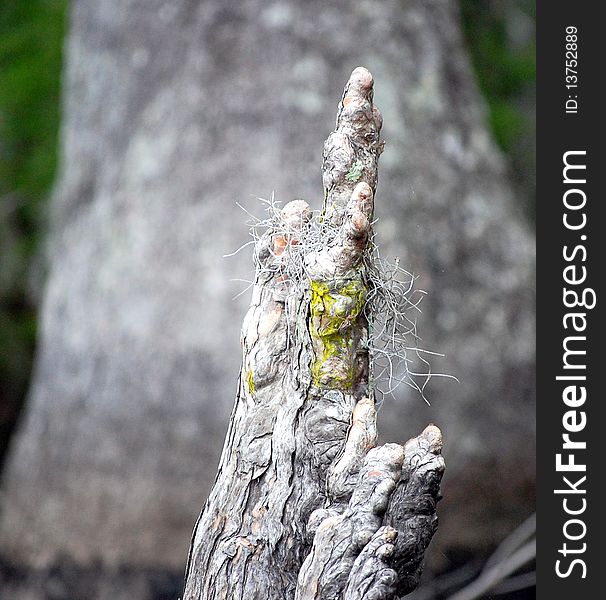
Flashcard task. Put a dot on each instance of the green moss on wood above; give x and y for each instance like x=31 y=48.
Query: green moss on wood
x=251 y=382
x=355 y=172
x=334 y=312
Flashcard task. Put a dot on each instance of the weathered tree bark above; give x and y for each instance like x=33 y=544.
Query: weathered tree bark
x=175 y=110
x=299 y=461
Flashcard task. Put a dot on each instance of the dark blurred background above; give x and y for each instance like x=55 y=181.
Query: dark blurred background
x=111 y=83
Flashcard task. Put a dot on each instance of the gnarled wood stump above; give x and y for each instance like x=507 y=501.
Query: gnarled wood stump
x=305 y=506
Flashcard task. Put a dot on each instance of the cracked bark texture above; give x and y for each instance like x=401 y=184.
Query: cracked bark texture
x=175 y=110
x=299 y=461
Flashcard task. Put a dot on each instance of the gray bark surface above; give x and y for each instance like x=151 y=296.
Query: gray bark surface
x=173 y=112
x=300 y=460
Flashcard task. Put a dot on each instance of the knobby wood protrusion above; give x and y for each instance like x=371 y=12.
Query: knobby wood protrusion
x=305 y=506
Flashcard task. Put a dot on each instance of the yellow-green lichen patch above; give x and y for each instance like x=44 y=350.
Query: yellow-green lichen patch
x=355 y=172
x=251 y=382
x=335 y=310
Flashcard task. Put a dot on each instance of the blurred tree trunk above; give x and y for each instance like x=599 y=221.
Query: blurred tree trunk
x=173 y=112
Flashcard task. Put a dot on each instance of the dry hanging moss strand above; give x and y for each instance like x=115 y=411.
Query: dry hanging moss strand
x=305 y=505
x=391 y=302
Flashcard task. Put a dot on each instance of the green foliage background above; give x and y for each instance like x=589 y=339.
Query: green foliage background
x=501 y=40
x=502 y=45
x=31 y=40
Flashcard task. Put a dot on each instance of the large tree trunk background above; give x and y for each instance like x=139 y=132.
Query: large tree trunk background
x=173 y=112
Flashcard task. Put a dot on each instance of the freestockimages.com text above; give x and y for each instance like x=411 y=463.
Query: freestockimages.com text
x=578 y=300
